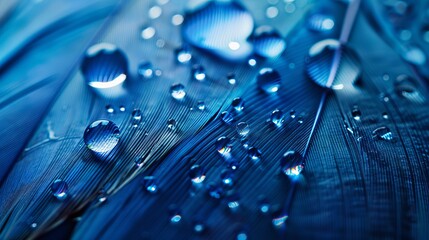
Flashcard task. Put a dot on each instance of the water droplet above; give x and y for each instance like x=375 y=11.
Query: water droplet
x=252 y=62
x=171 y=124
x=382 y=133
x=102 y=197
x=327 y=53
x=104 y=66
x=277 y=118
x=183 y=55
x=279 y=219
x=238 y=104
x=254 y=153
x=110 y=109
x=226 y=117
x=231 y=78
x=263 y=204
x=215 y=191
x=268 y=80
x=227 y=177
x=215 y=25
x=242 y=235
x=290 y=7
x=175 y=214
x=233 y=202
x=155 y=12
x=356 y=114
x=177 y=91
x=267 y=42
x=199 y=227
x=33 y=225
x=201 y=106
x=198 y=72
x=59 y=189
x=292 y=114
x=149 y=184
x=320 y=22
x=385 y=116
x=145 y=70
x=122 y=108
x=243 y=129
x=139 y=161
x=223 y=145
x=197 y=174
x=177 y=19
x=233 y=165
x=136 y=117
x=406 y=87
x=147 y=33
x=414 y=55
x=101 y=136
x=292 y=163
x=272 y=12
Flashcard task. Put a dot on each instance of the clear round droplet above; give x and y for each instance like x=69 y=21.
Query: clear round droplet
x=177 y=19
x=263 y=204
x=110 y=109
x=277 y=118
x=136 y=117
x=383 y=133
x=199 y=227
x=292 y=163
x=145 y=70
x=268 y=80
x=122 y=108
x=238 y=104
x=223 y=145
x=101 y=136
x=201 y=106
x=171 y=124
x=147 y=33
x=292 y=114
x=231 y=78
x=243 y=129
x=198 y=72
x=226 y=117
x=177 y=91
x=149 y=184
x=59 y=189
x=197 y=174
x=254 y=153
x=104 y=66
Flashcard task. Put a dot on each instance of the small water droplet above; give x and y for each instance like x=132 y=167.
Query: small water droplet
x=233 y=202
x=277 y=118
x=382 y=133
x=267 y=42
x=406 y=87
x=231 y=78
x=252 y=62
x=201 y=106
x=183 y=55
x=268 y=80
x=226 y=117
x=241 y=235
x=122 y=108
x=104 y=66
x=292 y=163
x=147 y=33
x=197 y=174
x=356 y=114
x=59 y=189
x=199 y=227
x=177 y=91
x=243 y=129
x=290 y=7
x=139 y=161
x=238 y=104
x=386 y=77
x=245 y=143
x=227 y=177
x=175 y=214
x=233 y=165
x=292 y=114
x=101 y=136
x=223 y=145
x=177 y=19
x=198 y=72
x=279 y=219
x=320 y=22
x=215 y=191
x=136 y=117
x=102 y=197
x=263 y=204
x=33 y=225
x=110 y=109
x=149 y=184
x=145 y=70
x=272 y=12
x=171 y=124
x=155 y=12
x=254 y=153
x=385 y=116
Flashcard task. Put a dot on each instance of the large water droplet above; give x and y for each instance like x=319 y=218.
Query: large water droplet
x=243 y=129
x=59 y=189
x=268 y=43
x=101 y=136
x=149 y=184
x=197 y=174
x=292 y=163
x=104 y=66
x=277 y=118
x=223 y=145
x=331 y=54
x=221 y=28
x=268 y=80
x=177 y=91
x=382 y=133
x=238 y=104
